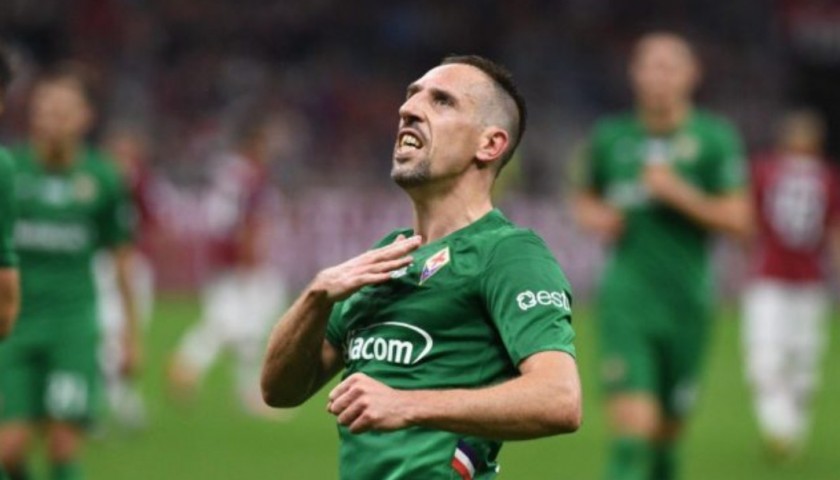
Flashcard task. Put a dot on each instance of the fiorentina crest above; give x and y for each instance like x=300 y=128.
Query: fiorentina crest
x=434 y=263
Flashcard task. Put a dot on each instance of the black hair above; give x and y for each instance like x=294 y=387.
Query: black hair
x=503 y=80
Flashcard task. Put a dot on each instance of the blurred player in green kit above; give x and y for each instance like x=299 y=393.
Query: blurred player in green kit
x=453 y=335
x=70 y=203
x=659 y=181
x=9 y=290
x=9 y=280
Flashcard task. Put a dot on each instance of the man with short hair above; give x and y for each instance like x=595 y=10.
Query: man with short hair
x=70 y=204
x=659 y=181
x=455 y=334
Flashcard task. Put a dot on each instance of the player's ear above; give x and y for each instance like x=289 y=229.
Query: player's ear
x=88 y=117
x=696 y=75
x=492 y=145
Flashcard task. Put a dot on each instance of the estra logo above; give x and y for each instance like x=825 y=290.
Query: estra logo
x=392 y=342
x=529 y=299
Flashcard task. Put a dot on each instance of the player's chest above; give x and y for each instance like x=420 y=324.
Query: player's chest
x=432 y=301
x=628 y=157
x=71 y=197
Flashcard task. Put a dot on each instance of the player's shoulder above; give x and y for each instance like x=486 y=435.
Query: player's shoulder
x=507 y=240
x=613 y=125
x=519 y=242
x=100 y=164
x=714 y=124
x=6 y=161
x=832 y=172
x=19 y=154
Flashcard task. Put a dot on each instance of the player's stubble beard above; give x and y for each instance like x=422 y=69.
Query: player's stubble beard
x=416 y=176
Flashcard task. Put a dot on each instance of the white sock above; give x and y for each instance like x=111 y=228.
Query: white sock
x=778 y=415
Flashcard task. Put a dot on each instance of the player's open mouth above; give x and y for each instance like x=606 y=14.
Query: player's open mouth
x=408 y=142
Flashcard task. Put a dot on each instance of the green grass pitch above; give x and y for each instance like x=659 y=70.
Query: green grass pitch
x=214 y=440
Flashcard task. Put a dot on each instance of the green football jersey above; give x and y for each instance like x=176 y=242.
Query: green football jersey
x=64 y=217
x=471 y=307
x=660 y=249
x=7 y=211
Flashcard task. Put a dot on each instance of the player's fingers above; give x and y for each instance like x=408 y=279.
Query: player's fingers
x=360 y=424
x=395 y=250
x=391 y=265
x=351 y=414
x=340 y=403
x=344 y=386
x=374 y=278
x=338 y=390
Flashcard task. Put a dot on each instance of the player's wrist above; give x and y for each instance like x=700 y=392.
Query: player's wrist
x=318 y=295
x=414 y=413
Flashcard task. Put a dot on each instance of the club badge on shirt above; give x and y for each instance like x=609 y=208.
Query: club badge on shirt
x=434 y=264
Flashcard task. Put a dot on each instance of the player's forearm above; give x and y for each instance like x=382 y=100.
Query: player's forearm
x=9 y=300
x=728 y=214
x=293 y=368
x=595 y=215
x=523 y=408
x=123 y=258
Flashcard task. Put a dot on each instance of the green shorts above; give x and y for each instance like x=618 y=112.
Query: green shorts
x=55 y=378
x=652 y=342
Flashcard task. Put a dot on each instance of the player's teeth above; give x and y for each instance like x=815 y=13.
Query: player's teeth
x=408 y=140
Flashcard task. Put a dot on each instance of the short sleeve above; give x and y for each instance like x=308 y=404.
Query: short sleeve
x=116 y=219
x=528 y=298
x=336 y=331
x=729 y=170
x=7 y=212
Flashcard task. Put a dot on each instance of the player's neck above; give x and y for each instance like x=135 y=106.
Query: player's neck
x=439 y=216
x=57 y=155
x=662 y=121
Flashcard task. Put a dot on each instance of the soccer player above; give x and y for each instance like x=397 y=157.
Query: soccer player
x=128 y=146
x=9 y=281
x=797 y=203
x=245 y=292
x=455 y=334
x=660 y=180
x=70 y=203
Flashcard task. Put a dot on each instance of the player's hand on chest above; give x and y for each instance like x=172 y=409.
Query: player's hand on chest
x=643 y=169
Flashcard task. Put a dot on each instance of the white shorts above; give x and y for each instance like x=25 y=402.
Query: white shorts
x=784 y=332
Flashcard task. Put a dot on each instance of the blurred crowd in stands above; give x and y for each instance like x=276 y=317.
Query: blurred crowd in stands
x=333 y=73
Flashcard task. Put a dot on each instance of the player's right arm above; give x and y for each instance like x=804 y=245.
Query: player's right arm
x=9 y=286
x=589 y=207
x=597 y=216
x=300 y=360
x=9 y=300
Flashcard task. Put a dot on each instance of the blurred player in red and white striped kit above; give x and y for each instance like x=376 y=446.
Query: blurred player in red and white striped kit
x=797 y=206
x=245 y=292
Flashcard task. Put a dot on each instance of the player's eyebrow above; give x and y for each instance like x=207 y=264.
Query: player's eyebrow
x=412 y=89
x=436 y=92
